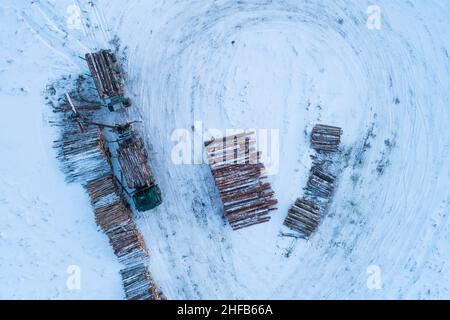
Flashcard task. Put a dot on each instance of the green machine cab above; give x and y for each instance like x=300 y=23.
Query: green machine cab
x=147 y=199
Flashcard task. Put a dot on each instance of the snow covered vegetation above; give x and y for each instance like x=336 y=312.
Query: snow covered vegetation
x=378 y=72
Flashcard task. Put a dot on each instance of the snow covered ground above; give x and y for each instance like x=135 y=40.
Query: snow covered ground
x=259 y=64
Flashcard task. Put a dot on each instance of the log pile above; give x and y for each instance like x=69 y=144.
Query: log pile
x=326 y=138
x=82 y=154
x=138 y=284
x=106 y=73
x=246 y=196
x=305 y=215
x=115 y=219
x=128 y=244
x=320 y=182
x=133 y=161
x=110 y=210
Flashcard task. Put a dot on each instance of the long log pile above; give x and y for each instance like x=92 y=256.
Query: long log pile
x=305 y=215
x=106 y=73
x=246 y=196
x=84 y=159
x=133 y=161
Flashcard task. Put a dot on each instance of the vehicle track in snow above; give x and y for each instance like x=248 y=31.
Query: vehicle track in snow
x=247 y=65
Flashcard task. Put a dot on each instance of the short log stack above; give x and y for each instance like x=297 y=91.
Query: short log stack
x=326 y=138
x=305 y=215
x=235 y=164
x=133 y=161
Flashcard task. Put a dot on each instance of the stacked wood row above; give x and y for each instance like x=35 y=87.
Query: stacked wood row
x=106 y=73
x=81 y=153
x=138 y=284
x=115 y=219
x=305 y=215
x=247 y=197
x=133 y=161
x=326 y=138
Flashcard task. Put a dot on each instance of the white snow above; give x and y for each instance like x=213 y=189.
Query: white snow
x=250 y=64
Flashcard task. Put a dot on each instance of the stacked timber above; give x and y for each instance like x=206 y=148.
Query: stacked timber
x=115 y=219
x=138 y=284
x=246 y=196
x=106 y=73
x=326 y=138
x=81 y=152
x=320 y=182
x=128 y=244
x=110 y=211
x=133 y=162
x=304 y=216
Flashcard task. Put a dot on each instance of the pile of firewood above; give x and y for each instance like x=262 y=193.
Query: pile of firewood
x=305 y=215
x=139 y=285
x=106 y=73
x=247 y=198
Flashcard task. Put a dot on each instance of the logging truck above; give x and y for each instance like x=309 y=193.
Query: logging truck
x=107 y=78
x=140 y=184
x=130 y=153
